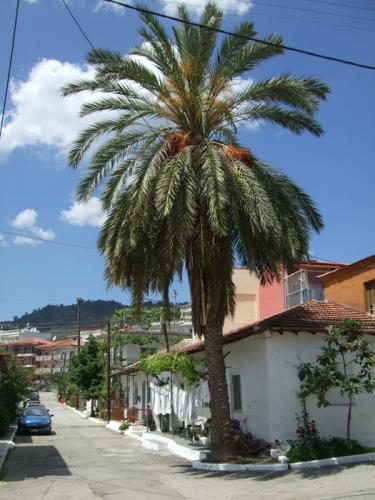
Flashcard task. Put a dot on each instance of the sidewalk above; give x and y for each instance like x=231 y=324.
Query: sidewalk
x=6 y=444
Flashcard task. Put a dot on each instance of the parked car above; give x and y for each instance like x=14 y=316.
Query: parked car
x=34 y=396
x=35 y=419
x=31 y=402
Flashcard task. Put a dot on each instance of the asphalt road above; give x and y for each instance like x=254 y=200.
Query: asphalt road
x=83 y=460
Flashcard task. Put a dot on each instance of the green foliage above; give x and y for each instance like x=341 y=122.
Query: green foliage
x=132 y=338
x=124 y=426
x=308 y=437
x=334 y=447
x=86 y=370
x=192 y=370
x=92 y=311
x=146 y=315
x=14 y=385
x=346 y=363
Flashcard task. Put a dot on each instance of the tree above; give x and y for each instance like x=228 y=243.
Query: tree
x=86 y=370
x=346 y=363
x=180 y=191
x=14 y=385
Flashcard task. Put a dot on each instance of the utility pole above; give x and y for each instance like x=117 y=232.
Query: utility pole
x=108 y=390
x=78 y=324
x=64 y=361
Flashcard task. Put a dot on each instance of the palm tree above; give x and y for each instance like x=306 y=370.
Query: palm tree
x=179 y=190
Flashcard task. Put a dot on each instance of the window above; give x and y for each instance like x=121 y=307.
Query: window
x=370 y=296
x=236 y=393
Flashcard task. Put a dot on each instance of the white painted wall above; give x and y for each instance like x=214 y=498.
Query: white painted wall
x=248 y=358
x=268 y=369
x=267 y=364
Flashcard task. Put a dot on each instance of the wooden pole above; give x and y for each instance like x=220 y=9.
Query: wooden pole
x=108 y=389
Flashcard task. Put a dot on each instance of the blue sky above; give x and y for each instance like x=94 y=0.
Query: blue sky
x=37 y=187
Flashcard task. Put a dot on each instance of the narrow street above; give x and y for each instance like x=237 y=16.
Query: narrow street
x=83 y=460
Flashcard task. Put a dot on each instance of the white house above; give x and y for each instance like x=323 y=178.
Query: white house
x=261 y=361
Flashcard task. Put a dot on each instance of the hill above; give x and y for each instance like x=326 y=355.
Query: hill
x=54 y=316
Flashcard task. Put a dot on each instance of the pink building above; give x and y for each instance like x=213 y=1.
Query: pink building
x=297 y=287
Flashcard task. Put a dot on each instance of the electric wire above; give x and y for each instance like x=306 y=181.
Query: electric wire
x=313 y=11
x=285 y=7
x=339 y=4
x=244 y=37
x=9 y=67
x=54 y=242
x=94 y=48
x=255 y=12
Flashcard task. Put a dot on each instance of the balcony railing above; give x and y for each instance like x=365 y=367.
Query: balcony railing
x=304 y=295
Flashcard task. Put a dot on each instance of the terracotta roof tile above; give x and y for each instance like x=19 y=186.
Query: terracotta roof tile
x=29 y=341
x=63 y=343
x=318 y=265
x=314 y=316
x=360 y=265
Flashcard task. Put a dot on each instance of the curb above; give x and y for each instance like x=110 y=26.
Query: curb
x=326 y=462
x=83 y=415
x=113 y=425
x=197 y=464
x=7 y=444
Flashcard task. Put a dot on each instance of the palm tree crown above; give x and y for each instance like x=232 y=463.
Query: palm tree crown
x=179 y=190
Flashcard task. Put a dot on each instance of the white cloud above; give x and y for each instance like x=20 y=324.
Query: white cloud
x=112 y=7
x=24 y=240
x=3 y=241
x=39 y=114
x=84 y=214
x=239 y=7
x=45 y=234
x=26 y=220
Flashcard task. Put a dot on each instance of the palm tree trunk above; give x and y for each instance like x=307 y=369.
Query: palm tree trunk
x=210 y=325
x=221 y=443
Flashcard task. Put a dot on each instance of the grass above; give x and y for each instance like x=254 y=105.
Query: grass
x=334 y=447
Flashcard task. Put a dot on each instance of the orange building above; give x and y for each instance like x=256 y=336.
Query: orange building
x=352 y=285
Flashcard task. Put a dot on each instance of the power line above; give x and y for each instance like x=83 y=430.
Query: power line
x=55 y=242
x=244 y=37
x=264 y=14
x=313 y=11
x=9 y=67
x=339 y=4
x=78 y=25
x=94 y=48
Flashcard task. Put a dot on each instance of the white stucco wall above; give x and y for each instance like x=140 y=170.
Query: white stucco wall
x=267 y=364
x=248 y=358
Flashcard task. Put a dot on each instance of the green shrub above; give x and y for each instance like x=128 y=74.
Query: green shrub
x=124 y=426
x=335 y=447
x=5 y=419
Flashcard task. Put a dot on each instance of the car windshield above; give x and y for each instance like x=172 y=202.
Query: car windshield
x=36 y=411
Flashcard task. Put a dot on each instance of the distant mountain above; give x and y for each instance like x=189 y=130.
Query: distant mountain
x=54 y=316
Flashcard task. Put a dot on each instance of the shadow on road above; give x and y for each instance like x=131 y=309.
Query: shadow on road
x=33 y=461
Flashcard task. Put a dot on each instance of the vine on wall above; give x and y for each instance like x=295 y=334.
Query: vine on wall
x=192 y=370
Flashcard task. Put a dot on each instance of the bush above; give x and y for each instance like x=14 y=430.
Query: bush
x=14 y=385
x=124 y=426
x=335 y=447
x=5 y=419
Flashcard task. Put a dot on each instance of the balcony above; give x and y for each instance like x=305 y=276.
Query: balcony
x=302 y=287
